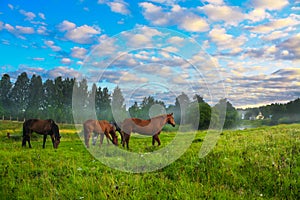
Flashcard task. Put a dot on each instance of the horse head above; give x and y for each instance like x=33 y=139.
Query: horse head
x=114 y=136
x=55 y=131
x=170 y=119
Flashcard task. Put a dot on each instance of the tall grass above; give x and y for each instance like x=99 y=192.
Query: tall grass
x=259 y=163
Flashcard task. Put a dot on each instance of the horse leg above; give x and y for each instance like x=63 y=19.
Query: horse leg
x=126 y=136
x=87 y=138
x=123 y=138
x=101 y=139
x=28 y=139
x=157 y=138
x=53 y=140
x=153 y=140
x=108 y=138
x=95 y=138
x=24 y=140
x=44 y=141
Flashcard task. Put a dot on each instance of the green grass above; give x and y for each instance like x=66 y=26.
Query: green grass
x=258 y=163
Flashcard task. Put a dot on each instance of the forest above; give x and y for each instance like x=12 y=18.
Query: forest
x=35 y=98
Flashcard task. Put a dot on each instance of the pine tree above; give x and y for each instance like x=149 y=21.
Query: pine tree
x=35 y=98
x=19 y=96
x=117 y=105
x=5 y=88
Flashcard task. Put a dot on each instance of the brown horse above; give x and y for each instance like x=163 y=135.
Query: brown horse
x=43 y=127
x=151 y=126
x=100 y=127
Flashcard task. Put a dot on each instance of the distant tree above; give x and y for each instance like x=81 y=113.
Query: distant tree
x=181 y=105
x=201 y=111
x=67 y=91
x=5 y=89
x=49 y=103
x=35 y=98
x=134 y=110
x=145 y=107
x=103 y=104
x=81 y=102
x=231 y=117
x=19 y=96
x=117 y=105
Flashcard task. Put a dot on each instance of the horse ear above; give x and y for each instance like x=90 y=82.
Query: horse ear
x=170 y=114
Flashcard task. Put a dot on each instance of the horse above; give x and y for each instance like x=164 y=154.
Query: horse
x=43 y=127
x=151 y=126
x=100 y=127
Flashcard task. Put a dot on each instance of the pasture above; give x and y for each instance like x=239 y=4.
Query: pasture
x=257 y=163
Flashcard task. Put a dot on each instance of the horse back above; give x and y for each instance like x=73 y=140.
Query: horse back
x=38 y=126
x=141 y=126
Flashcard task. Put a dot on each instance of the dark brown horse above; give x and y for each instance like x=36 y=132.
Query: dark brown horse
x=151 y=126
x=43 y=127
x=99 y=127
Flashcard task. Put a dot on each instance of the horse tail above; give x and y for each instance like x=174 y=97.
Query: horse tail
x=25 y=131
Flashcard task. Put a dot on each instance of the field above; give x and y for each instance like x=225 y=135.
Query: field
x=257 y=163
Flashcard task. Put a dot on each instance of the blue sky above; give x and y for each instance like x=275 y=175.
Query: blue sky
x=247 y=51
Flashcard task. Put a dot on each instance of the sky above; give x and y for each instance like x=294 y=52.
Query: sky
x=247 y=51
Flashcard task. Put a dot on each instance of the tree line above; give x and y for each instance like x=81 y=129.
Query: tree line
x=277 y=113
x=35 y=98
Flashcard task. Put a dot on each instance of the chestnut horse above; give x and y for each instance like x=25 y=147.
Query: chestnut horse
x=43 y=127
x=151 y=126
x=100 y=127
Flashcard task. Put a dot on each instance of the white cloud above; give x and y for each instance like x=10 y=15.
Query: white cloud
x=82 y=34
x=193 y=23
x=257 y=15
x=51 y=45
x=127 y=77
x=66 y=61
x=184 y=18
x=9 y=28
x=117 y=6
x=275 y=35
x=29 y=15
x=25 y=30
x=226 y=41
x=292 y=20
x=66 y=26
x=42 y=30
x=42 y=16
x=63 y=72
x=290 y=48
x=176 y=40
x=270 y=4
x=230 y=15
x=78 y=52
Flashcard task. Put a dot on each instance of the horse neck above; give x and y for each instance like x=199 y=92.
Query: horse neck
x=162 y=122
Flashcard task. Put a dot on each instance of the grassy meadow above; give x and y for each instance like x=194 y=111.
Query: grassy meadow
x=256 y=163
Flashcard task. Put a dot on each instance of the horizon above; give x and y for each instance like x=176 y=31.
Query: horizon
x=244 y=51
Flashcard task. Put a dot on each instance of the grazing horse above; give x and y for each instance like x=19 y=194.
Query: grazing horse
x=151 y=126
x=43 y=127
x=101 y=127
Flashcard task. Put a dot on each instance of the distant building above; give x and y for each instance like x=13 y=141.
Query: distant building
x=260 y=116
